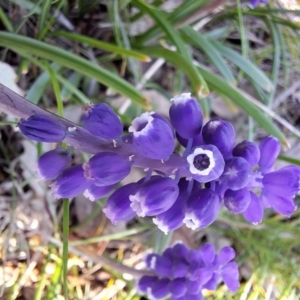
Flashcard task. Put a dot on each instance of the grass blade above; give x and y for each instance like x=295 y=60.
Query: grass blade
x=21 y=44
x=102 y=45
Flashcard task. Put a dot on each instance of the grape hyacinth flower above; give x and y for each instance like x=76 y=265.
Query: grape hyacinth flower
x=52 y=163
x=101 y=120
x=41 y=128
x=152 y=136
x=183 y=273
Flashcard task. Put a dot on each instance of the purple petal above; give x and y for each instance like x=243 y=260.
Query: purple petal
x=206 y=163
x=41 y=128
x=146 y=282
x=207 y=252
x=249 y=151
x=213 y=282
x=254 y=212
x=161 y=265
x=152 y=137
x=52 y=163
x=226 y=255
x=237 y=201
x=186 y=116
x=101 y=120
x=154 y=196
x=230 y=274
x=70 y=183
x=282 y=205
x=94 y=191
x=236 y=173
x=106 y=168
x=269 y=150
x=221 y=134
x=284 y=182
x=178 y=287
x=202 y=209
x=160 y=288
x=117 y=207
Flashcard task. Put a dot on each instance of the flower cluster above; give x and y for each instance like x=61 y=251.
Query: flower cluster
x=183 y=273
x=213 y=170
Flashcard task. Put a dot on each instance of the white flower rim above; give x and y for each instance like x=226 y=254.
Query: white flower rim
x=181 y=99
x=192 y=156
x=145 y=117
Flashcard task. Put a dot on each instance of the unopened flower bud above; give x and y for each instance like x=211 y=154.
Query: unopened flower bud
x=269 y=150
x=236 y=173
x=186 y=116
x=117 y=207
x=94 y=191
x=70 y=183
x=52 y=163
x=237 y=201
x=152 y=137
x=106 y=168
x=221 y=134
x=41 y=128
x=247 y=150
x=154 y=196
x=101 y=120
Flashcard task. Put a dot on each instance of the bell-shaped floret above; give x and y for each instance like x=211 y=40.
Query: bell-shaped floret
x=221 y=134
x=207 y=253
x=145 y=283
x=160 y=289
x=284 y=182
x=186 y=116
x=206 y=163
x=101 y=120
x=52 y=163
x=70 y=183
x=247 y=150
x=154 y=196
x=236 y=173
x=178 y=287
x=255 y=211
x=95 y=192
x=237 y=201
x=152 y=136
x=161 y=265
x=41 y=128
x=117 y=207
x=269 y=150
x=172 y=218
x=106 y=168
x=282 y=205
x=202 y=209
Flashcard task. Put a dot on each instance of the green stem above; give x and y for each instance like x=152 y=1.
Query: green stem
x=66 y=216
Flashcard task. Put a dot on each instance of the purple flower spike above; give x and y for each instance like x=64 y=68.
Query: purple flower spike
x=41 y=128
x=106 y=168
x=152 y=136
x=221 y=134
x=269 y=150
x=186 y=116
x=202 y=209
x=101 y=120
x=237 y=201
x=70 y=183
x=52 y=163
x=172 y=218
x=206 y=163
x=236 y=173
x=95 y=192
x=154 y=196
x=254 y=212
x=117 y=207
x=249 y=151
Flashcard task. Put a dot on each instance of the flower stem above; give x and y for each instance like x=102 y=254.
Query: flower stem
x=66 y=217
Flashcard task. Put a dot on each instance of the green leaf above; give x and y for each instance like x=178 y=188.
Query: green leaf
x=241 y=99
x=245 y=65
x=21 y=44
x=203 y=43
x=102 y=45
x=289 y=159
